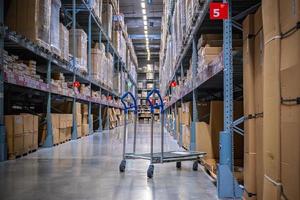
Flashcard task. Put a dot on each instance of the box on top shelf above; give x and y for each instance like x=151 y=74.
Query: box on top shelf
x=64 y=42
x=55 y=27
x=31 y=18
x=107 y=14
x=81 y=50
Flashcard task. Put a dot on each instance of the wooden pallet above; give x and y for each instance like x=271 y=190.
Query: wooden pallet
x=210 y=167
x=16 y=155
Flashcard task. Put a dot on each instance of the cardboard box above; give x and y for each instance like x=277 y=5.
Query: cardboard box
x=28 y=123
x=290 y=115
x=85 y=129
x=35 y=123
x=31 y=18
x=55 y=120
x=68 y=133
x=14 y=134
x=62 y=121
x=79 y=131
x=84 y=109
x=55 y=134
x=78 y=119
x=35 y=143
x=270 y=15
x=289 y=14
x=271 y=119
x=64 y=41
x=62 y=134
x=249 y=175
x=28 y=141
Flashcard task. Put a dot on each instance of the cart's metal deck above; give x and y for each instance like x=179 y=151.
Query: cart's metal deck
x=172 y=156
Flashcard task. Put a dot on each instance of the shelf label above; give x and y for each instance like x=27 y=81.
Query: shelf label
x=218 y=11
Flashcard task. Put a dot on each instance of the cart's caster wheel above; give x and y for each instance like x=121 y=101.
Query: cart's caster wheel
x=178 y=165
x=150 y=171
x=195 y=166
x=122 y=166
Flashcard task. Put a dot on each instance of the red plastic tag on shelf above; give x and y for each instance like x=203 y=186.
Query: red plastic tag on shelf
x=173 y=84
x=76 y=84
x=218 y=11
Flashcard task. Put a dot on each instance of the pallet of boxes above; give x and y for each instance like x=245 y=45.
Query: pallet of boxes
x=207 y=131
x=22 y=134
x=61 y=128
x=85 y=120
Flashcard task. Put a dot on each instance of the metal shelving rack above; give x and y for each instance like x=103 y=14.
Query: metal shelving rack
x=79 y=15
x=221 y=80
x=144 y=111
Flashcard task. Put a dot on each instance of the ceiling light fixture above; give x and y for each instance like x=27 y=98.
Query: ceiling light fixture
x=143 y=5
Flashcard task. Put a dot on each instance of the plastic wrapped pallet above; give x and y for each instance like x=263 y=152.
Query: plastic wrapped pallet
x=107 y=14
x=64 y=42
x=31 y=18
x=81 y=47
x=110 y=69
x=96 y=63
x=54 y=26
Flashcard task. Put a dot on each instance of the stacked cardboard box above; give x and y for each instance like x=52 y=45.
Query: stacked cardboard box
x=64 y=42
x=107 y=14
x=80 y=52
x=253 y=103
x=22 y=134
x=281 y=107
x=31 y=18
x=26 y=68
x=54 y=27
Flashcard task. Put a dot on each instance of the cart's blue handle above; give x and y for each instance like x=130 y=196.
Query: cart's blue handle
x=156 y=105
x=132 y=106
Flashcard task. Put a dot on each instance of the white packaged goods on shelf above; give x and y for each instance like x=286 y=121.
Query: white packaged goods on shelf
x=64 y=42
x=150 y=76
x=54 y=26
x=81 y=51
x=107 y=14
x=140 y=85
x=35 y=18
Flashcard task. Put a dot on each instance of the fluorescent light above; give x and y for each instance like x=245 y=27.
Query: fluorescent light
x=143 y=5
x=145 y=28
x=145 y=17
x=144 y=11
x=145 y=23
x=146 y=32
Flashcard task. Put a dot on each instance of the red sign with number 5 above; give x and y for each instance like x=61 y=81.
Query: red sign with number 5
x=218 y=11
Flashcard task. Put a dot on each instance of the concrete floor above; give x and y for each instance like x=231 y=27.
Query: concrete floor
x=88 y=169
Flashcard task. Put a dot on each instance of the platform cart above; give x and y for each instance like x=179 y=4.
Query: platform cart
x=159 y=157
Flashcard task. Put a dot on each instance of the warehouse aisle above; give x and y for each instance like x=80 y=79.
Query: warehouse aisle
x=87 y=169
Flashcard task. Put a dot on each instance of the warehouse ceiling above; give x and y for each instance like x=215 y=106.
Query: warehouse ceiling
x=132 y=11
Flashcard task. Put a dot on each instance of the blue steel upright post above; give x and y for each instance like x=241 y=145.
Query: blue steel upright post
x=181 y=102
x=3 y=152
x=74 y=124
x=90 y=70
x=227 y=185
x=49 y=136
x=194 y=106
